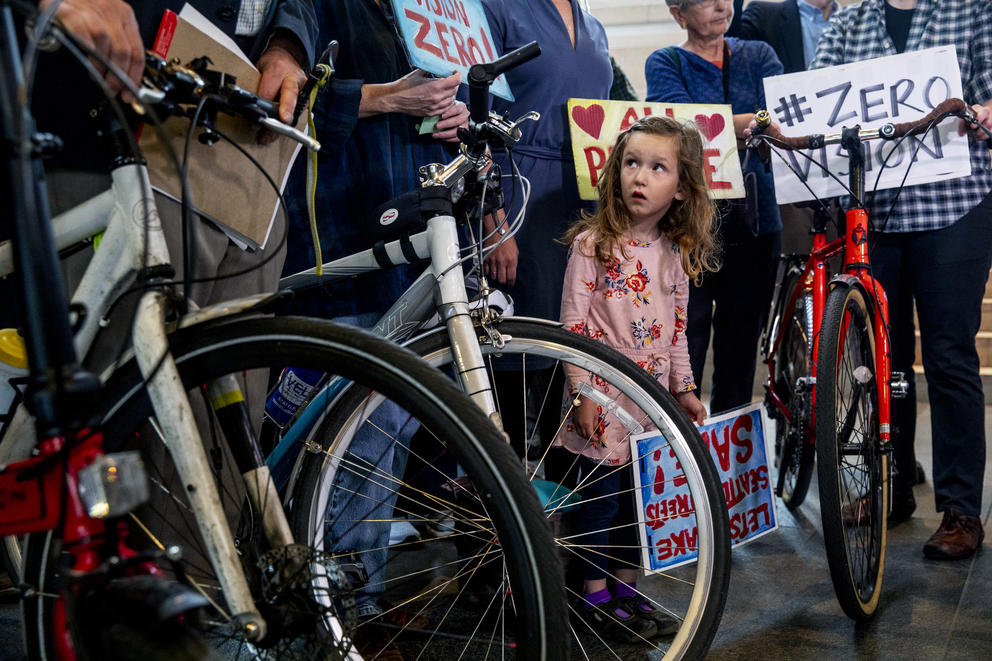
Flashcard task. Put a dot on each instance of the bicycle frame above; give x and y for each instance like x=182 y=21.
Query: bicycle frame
x=441 y=286
x=129 y=245
x=856 y=270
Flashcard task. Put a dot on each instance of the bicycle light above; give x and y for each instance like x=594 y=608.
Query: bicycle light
x=113 y=485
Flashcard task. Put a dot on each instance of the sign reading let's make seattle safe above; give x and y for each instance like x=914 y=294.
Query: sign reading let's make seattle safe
x=897 y=88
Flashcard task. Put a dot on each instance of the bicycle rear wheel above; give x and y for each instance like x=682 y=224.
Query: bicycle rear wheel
x=693 y=595
x=311 y=598
x=853 y=467
x=795 y=452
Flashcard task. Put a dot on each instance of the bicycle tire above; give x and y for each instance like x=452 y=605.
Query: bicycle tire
x=702 y=608
x=853 y=466
x=794 y=446
x=238 y=345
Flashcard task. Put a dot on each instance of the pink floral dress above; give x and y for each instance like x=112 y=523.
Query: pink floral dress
x=637 y=306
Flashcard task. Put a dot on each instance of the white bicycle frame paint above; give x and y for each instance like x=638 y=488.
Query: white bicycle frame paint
x=129 y=245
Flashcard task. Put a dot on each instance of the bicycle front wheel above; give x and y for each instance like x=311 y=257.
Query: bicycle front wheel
x=691 y=596
x=853 y=469
x=316 y=598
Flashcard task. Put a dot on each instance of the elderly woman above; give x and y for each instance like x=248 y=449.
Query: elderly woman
x=711 y=68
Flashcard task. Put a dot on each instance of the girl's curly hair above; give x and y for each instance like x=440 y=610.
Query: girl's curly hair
x=689 y=222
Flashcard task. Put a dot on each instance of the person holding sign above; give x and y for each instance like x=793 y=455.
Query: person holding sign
x=709 y=68
x=935 y=249
x=627 y=285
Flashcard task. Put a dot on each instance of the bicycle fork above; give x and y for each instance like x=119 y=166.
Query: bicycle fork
x=179 y=430
x=452 y=304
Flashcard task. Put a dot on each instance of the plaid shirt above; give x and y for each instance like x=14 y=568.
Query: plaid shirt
x=858 y=33
x=251 y=17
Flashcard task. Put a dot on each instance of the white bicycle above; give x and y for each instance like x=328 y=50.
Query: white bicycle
x=179 y=397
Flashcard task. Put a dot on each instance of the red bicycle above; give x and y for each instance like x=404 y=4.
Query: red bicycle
x=830 y=382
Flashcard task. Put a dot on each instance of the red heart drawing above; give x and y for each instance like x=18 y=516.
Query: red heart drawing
x=710 y=126
x=589 y=119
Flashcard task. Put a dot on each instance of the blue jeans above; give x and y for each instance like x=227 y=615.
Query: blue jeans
x=365 y=490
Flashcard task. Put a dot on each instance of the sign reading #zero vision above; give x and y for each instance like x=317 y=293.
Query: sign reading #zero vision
x=895 y=88
x=595 y=125
x=443 y=36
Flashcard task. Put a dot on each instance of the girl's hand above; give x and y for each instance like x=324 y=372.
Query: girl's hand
x=691 y=405
x=586 y=420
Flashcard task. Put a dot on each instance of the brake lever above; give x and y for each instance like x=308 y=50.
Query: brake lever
x=327 y=57
x=276 y=126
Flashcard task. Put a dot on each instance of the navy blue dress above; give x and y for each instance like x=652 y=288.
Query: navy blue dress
x=544 y=155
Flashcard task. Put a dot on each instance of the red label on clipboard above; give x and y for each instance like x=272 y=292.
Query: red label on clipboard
x=166 y=29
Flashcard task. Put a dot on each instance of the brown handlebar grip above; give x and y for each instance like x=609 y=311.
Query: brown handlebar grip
x=949 y=106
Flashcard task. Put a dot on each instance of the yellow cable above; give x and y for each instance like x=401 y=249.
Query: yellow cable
x=325 y=72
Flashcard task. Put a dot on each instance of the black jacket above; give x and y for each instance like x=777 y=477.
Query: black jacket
x=777 y=24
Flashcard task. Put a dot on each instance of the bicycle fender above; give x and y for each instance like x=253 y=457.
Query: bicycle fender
x=847 y=280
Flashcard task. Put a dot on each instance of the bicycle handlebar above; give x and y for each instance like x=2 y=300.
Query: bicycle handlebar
x=481 y=76
x=767 y=130
x=175 y=86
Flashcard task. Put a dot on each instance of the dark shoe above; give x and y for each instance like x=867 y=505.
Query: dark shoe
x=957 y=538
x=665 y=624
x=857 y=514
x=920 y=476
x=617 y=621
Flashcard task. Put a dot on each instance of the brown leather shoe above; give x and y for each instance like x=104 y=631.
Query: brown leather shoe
x=958 y=537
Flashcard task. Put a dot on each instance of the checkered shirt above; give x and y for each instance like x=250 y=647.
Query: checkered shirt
x=251 y=17
x=858 y=33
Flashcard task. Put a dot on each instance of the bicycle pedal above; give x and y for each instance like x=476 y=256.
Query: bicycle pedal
x=899 y=386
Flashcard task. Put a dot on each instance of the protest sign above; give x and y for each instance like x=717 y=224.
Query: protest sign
x=595 y=125
x=736 y=442
x=896 y=88
x=444 y=36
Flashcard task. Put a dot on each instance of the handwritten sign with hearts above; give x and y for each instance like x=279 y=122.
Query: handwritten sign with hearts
x=589 y=119
x=595 y=124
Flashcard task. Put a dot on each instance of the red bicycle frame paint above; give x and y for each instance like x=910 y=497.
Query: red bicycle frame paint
x=42 y=494
x=854 y=247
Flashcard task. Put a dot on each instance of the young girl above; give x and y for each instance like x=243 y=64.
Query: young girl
x=627 y=285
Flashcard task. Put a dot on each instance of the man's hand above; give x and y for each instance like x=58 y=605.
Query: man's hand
x=282 y=78
x=501 y=263
x=447 y=126
x=415 y=94
x=110 y=29
x=983 y=116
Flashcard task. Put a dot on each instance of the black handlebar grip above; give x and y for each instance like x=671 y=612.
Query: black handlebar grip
x=513 y=59
x=269 y=108
x=481 y=76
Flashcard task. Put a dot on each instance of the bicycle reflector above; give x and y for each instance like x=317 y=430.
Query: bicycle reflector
x=113 y=485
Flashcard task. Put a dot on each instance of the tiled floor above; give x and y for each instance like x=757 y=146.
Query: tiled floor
x=781 y=603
